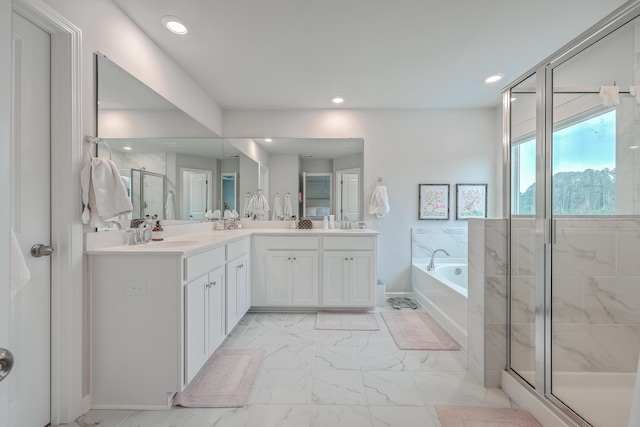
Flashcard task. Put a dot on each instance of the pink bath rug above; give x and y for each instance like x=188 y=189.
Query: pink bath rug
x=417 y=331
x=476 y=416
x=225 y=380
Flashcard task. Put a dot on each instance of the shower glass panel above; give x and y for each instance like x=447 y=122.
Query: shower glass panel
x=523 y=209
x=153 y=195
x=595 y=173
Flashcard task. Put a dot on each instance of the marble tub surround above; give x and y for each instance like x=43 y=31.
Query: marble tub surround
x=425 y=240
x=327 y=378
x=487 y=322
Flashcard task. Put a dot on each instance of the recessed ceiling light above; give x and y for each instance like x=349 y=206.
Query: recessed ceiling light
x=513 y=98
x=126 y=148
x=268 y=140
x=175 y=24
x=493 y=78
x=634 y=147
x=338 y=100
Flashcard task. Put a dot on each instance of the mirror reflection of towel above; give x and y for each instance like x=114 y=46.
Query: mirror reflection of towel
x=169 y=207
x=610 y=95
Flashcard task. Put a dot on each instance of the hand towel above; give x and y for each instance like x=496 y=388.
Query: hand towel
x=20 y=273
x=379 y=204
x=277 y=214
x=261 y=207
x=610 y=95
x=287 y=211
x=169 y=207
x=216 y=214
x=104 y=194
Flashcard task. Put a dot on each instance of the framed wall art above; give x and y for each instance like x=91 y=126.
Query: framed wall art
x=433 y=201
x=471 y=201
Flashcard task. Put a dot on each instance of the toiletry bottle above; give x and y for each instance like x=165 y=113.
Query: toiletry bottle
x=332 y=220
x=157 y=233
x=325 y=223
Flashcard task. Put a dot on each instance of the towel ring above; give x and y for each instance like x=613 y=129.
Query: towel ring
x=93 y=139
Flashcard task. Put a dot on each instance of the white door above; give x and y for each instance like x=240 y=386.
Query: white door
x=198 y=188
x=215 y=310
x=195 y=334
x=30 y=305
x=335 y=278
x=350 y=196
x=279 y=277
x=362 y=276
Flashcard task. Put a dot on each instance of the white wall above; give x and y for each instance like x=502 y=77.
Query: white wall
x=404 y=147
x=284 y=177
x=107 y=29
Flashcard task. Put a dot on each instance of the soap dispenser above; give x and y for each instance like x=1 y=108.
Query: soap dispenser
x=157 y=233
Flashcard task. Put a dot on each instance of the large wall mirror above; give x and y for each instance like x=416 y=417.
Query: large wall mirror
x=176 y=168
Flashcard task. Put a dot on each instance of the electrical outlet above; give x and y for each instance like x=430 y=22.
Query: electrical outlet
x=135 y=289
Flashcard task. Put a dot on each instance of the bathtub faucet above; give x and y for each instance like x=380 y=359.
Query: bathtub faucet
x=430 y=266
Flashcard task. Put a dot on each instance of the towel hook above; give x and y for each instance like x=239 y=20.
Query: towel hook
x=381 y=182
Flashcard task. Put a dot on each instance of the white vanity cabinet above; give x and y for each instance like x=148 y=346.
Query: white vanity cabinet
x=204 y=319
x=238 y=282
x=348 y=277
x=318 y=271
x=292 y=278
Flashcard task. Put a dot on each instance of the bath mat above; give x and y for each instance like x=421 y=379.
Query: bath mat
x=346 y=321
x=417 y=331
x=474 y=416
x=225 y=381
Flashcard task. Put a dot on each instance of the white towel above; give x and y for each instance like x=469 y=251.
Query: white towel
x=287 y=211
x=169 y=207
x=634 y=416
x=20 y=273
x=610 y=95
x=261 y=207
x=215 y=214
x=635 y=91
x=277 y=214
x=104 y=194
x=247 y=209
x=379 y=204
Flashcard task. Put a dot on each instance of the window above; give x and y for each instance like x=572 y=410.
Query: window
x=584 y=161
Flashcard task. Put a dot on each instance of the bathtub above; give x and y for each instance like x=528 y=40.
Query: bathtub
x=443 y=293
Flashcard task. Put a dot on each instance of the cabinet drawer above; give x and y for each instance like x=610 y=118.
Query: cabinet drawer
x=349 y=243
x=235 y=249
x=198 y=264
x=292 y=243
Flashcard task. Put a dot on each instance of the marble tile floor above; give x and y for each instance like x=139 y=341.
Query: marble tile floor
x=316 y=378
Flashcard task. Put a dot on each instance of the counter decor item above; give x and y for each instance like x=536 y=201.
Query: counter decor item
x=305 y=224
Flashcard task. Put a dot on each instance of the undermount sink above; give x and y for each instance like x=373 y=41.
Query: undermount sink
x=171 y=243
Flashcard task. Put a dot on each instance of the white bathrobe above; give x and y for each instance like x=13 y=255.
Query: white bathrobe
x=286 y=209
x=277 y=212
x=104 y=194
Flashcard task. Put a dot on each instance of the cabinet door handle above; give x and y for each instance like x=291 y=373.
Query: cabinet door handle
x=351 y=258
x=289 y=258
x=294 y=258
x=240 y=266
x=212 y=283
x=346 y=259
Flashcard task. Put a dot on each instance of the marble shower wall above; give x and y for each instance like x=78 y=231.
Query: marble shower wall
x=595 y=306
x=596 y=295
x=425 y=240
x=487 y=320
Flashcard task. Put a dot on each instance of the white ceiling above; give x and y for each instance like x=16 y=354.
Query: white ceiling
x=298 y=54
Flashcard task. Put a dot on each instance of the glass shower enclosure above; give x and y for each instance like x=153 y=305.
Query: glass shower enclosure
x=148 y=192
x=572 y=135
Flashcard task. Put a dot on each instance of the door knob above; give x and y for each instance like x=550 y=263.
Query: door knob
x=6 y=363
x=39 y=250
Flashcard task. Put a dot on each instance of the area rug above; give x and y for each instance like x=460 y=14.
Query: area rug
x=225 y=381
x=417 y=331
x=345 y=321
x=473 y=416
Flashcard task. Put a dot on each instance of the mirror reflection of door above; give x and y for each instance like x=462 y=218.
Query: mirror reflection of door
x=229 y=190
x=195 y=198
x=348 y=194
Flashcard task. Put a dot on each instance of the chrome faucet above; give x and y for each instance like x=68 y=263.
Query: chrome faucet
x=430 y=266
